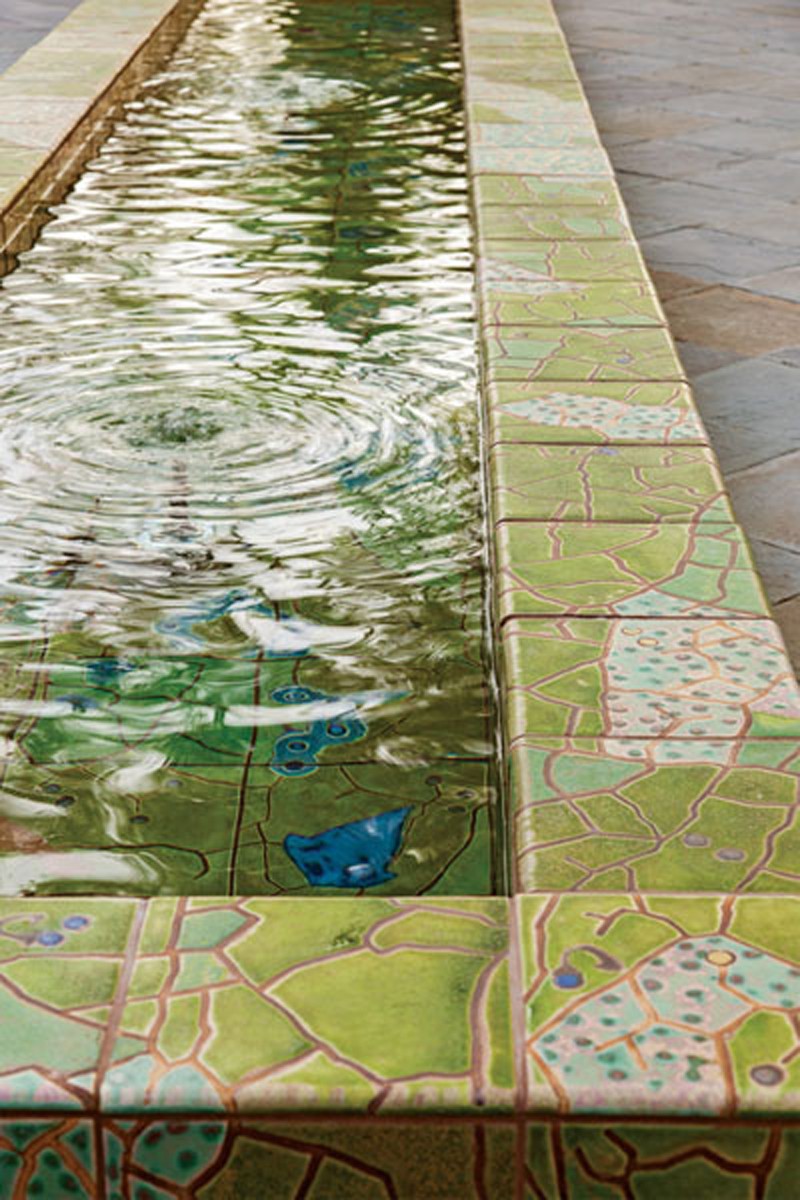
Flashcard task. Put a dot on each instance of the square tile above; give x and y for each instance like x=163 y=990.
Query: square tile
x=677 y=1005
x=596 y=569
x=578 y=353
x=573 y=303
x=557 y=102
x=345 y=1006
x=539 y=223
x=60 y=964
x=662 y=816
x=648 y=678
x=623 y=484
x=198 y=829
x=590 y=160
x=555 y=193
x=595 y=412
x=326 y=1160
x=510 y=270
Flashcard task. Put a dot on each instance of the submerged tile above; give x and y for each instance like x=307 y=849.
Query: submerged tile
x=576 y=353
x=679 y=1005
x=664 y=816
x=623 y=484
x=648 y=678
x=595 y=412
x=599 y=569
x=320 y=1161
x=142 y=826
x=347 y=1005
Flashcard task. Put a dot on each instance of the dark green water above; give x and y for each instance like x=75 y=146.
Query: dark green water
x=242 y=644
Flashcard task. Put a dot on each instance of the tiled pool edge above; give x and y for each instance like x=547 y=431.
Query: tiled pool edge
x=98 y=1112
x=59 y=99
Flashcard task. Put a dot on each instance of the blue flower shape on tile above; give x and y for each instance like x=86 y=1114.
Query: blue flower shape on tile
x=295 y=753
x=356 y=855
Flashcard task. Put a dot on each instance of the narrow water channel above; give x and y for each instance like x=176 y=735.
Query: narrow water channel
x=243 y=647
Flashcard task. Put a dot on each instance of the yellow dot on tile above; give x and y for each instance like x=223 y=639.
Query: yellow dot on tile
x=721 y=958
x=648 y=641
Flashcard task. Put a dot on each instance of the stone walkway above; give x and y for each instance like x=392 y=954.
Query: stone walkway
x=25 y=22
x=698 y=104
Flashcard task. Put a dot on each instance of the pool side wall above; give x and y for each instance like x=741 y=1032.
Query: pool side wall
x=626 y=1023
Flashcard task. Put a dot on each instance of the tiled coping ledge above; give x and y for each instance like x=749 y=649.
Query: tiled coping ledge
x=628 y=1023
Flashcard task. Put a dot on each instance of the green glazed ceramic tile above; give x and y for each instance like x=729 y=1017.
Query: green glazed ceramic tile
x=664 y=816
x=115 y=827
x=607 y=483
x=316 y=1161
x=502 y=135
x=60 y=965
x=355 y=1005
x=609 y=1160
x=648 y=678
x=560 y=102
x=578 y=353
x=548 y=224
x=575 y=304
x=486 y=79
x=597 y=412
x=590 y=159
x=513 y=270
x=47 y=1159
x=678 y=1005
x=556 y=194
x=568 y=568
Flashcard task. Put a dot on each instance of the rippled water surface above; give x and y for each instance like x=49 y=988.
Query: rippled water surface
x=242 y=643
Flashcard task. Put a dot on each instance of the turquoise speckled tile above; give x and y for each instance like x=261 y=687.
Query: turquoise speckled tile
x=552 y=192
x=648 y=678
x=574 y=303
x=593 y=412
x=677 y=1005
x=668 y=815
x=624 y=484
x=351 y=1005
x=602 y=569
x=579 y=353
x=48 y=1159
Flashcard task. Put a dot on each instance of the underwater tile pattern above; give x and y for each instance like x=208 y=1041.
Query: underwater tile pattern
x=602 y=569
x=610 y=413
x=648 y=678
x=661 y=1005
x=308 y=1161
x=618 y=1160
x=617 y=815
x=623 y=484
x=47 y=1158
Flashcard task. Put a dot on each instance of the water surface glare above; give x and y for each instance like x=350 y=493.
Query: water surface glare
x=242 y=644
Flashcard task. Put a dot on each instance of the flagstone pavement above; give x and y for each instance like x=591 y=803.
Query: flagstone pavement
x=698 y=104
